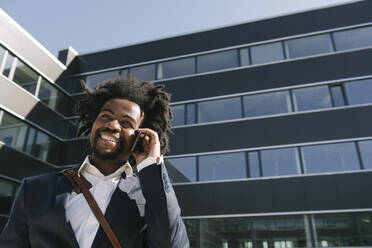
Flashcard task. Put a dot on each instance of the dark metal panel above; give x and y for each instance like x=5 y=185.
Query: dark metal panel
x=290 y=129
x=73 y=152
x=300 y=23
x=307 y=193
x=17 y=165
x=283 y=74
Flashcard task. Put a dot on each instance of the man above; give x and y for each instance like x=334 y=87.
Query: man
x=131 y=188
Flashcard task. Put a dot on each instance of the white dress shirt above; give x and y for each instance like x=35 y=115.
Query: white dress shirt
x=83 y=221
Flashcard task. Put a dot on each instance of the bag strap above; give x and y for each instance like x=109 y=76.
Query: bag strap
x=81 y=185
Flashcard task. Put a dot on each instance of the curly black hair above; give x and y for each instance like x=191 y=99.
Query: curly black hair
x=152 y=99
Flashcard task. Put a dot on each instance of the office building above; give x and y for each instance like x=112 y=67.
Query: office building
x=272 y=143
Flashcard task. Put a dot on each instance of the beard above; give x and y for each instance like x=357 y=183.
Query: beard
x=107 y=155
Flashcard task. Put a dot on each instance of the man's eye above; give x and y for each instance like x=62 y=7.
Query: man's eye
x=105 y=117
x=126 y=124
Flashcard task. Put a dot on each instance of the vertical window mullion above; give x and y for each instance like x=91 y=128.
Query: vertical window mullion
x=197 y=168
x=38 y=84
x=13 y=68
x=1 y=116
x=2 y=63
x=359 y=156
x=331 y=96
x=344 y=94
x=333 y=42
x=260 y=163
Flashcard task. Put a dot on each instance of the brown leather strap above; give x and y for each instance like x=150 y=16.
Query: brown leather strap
x=81 y=185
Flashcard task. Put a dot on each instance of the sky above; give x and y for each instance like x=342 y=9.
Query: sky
x=93 y=25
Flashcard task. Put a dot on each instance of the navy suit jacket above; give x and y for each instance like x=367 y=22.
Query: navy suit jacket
x=143 y=212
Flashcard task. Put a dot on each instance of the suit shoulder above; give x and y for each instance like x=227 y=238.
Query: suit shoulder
x=46 y=178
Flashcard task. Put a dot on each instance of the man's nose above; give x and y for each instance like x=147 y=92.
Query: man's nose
x=113 y=125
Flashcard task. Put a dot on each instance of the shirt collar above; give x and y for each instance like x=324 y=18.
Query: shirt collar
x=87 y=168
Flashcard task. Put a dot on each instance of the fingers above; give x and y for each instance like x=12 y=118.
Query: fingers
x=150 y=135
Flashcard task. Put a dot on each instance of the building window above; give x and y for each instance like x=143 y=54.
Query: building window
x=217 y=61
x=267 y=53
x=244 y=56
x=181 y=169
x=144 y=72
x=366 y=153
x=224 y=109
x=222 y=166
x=25 y=77
x=254 y=164
x=7 y=188
x=190 y=113
x=178 y=115
x=179 y=67
x=309 y=46
x=343 y=230
x=267 y=104
x=8 y=64
x=2 y=54
x=353 y=38
x=337 y=96
x=278 y=162
x=12 y=131
x=311 y=98
x=95 y=79
x=359 y=92
x=330 y=158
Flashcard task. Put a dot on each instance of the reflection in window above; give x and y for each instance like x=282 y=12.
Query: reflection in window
x=144 y=73
x=309 y=46
x=71 y=85
x=2 y=53
x=359 y=92
x=8 y=64
x=7 y=187
x=337 y=96
x=12 y=132
x=330 y=158
x=25 y=77
x=311 y=98
x=267 y=53
x=179 y=67
x=254 y=164
x=277 y=162
x=217 y=61
x=267 y=104
x=181 y=169
x=222 y=166
x=244 y=56
x=225 y=109
x=343 y=230
x=190 y=112
x=366 y=153
x=178 y=115
x=353 y=38
x=95 y=79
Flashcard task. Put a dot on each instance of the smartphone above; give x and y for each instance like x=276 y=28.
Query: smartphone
x=137 y=143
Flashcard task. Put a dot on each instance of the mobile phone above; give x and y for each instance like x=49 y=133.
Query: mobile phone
x=137 y=143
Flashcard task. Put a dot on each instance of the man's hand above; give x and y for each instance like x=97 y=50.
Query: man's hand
x=150 y=144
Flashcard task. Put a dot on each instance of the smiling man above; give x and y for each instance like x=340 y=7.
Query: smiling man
x=131 y=188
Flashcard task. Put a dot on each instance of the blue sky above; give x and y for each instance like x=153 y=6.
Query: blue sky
x=91 y=25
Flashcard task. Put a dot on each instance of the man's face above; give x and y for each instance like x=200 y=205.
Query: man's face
x=113 y=130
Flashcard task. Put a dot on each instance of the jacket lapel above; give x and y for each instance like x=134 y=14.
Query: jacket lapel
x=63 y=189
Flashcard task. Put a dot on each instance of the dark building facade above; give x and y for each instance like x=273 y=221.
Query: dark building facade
x=272 y=143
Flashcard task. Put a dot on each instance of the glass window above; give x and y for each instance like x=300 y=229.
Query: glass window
x=254 y=164
x=277 y=162
x=190 y=110
x=359 y=92
x=41 y=146
x=13 y=131
x=267 y=104
x=144 y=73
x=337 y=96
x=8 y=64
x=309 y=46
x=217 y=61
x=178 y=67
x=343 y=230
x=124 y=73
x=30 y=140
x=244 y=56
x=7 y=188
x=95 y=79
x=353 y=38
x=2 y=53
x=178 y=115
x=330 y=158
x=366 y=153
x=224 y=109
x=71 y=85
x=311 y=98
x=222 y=166
x=25 y=77
x=267 y=53
x=282 y=232
x=181 y=169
